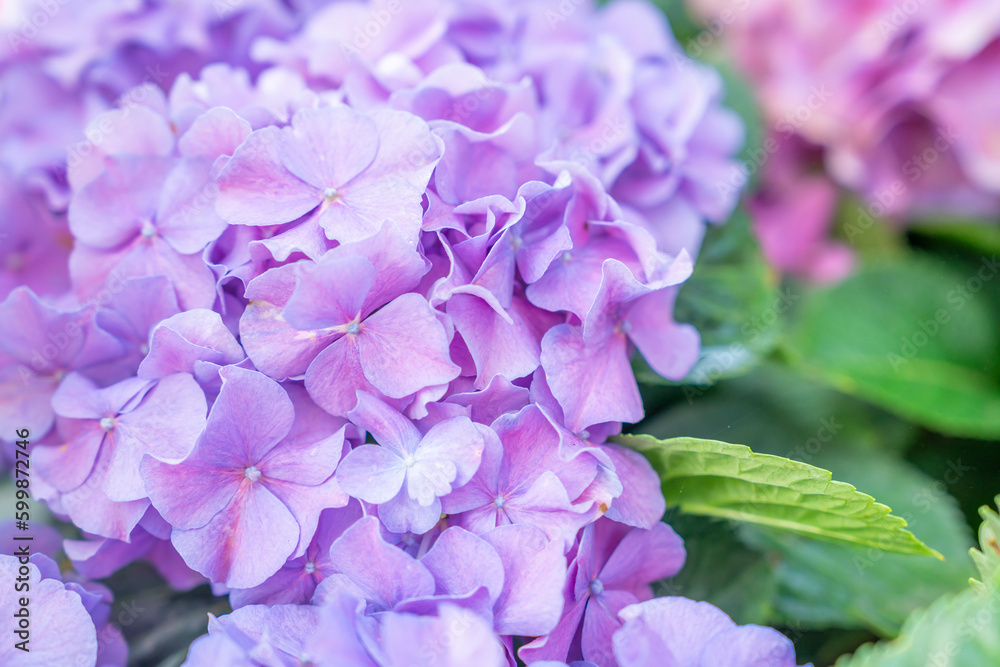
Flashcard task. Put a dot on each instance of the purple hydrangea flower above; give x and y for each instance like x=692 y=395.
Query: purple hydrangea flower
x=613 y=569
x=408 y=471
x=682 y=632
x=106 y=433
x=256 y=468
x=350 y=170
x=449 y=233
x=519 y=481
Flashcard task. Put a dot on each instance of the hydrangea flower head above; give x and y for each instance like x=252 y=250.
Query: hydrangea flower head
x=348 y=316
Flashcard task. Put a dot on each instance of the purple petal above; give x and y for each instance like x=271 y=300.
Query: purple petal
x=546 y=506
x=45 y=339
x=62 y=632
x=330 y=293
x=276 y=348
x=218 y=131
x=403 y=514
x=250 y=416
x=429 y=641
x=180 y=340
x=79 y=398
x=457 y=440
x=335 y=377
x=110 y=210
x=673 y=630
x=328 y=147
x=307 y=503
x=403 y=348
x=385 y=573
x=600 y=622
x=671 y=349
x=92 y=511
x=186 y=216
x=641 y=503
x=365 y=206
x=593 y=383
x=389 y=428
x=188 y=495
x=462 y=562
x=534 y=571
x=500 y=397
x=398 y=266
x=255 y=188
x=229 y=548
x=67 y=466
x=555 y=645
x=749 y=645
x=371 y=473
x=500 y=347
x=304 y=461
x=165 y=425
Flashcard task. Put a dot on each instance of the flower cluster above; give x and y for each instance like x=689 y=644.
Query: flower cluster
x=893 y=99
x=347 y=325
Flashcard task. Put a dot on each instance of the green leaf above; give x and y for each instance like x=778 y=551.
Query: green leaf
x=978 y=236
x=956 y=631
x=730 y=481
x=822 y=584
x=915 y=337
x=833 y=585
x=987 y=557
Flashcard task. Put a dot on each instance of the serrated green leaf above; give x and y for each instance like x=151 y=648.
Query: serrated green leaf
x=956 y=631
x=823 y=584
x=728 y=481
x=915 y=337
x=832 y=585
x=987 y=556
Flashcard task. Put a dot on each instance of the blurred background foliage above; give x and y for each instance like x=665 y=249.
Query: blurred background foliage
x=889 y=379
